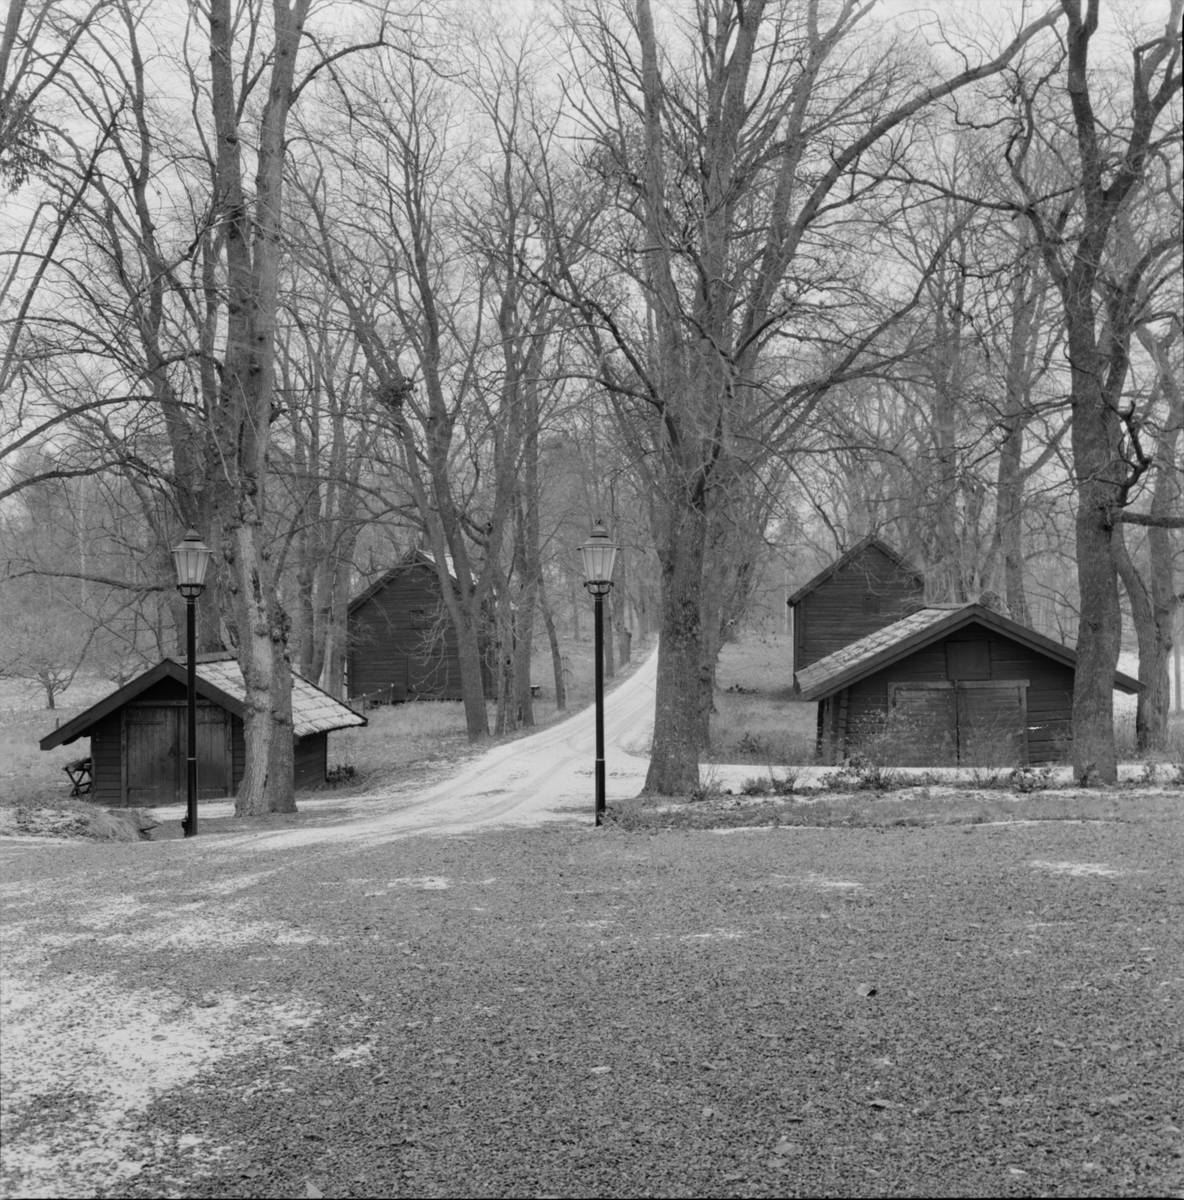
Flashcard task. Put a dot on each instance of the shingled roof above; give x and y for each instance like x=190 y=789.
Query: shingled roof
x=313 y=710
x=871 y=542
x=884 y=647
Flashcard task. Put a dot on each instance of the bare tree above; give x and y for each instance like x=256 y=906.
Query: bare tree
x=722 y=143
x=1106 y=159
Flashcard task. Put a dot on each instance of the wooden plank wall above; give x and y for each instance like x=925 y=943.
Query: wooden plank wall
x=1049 y=697
x=387 y=652
x=832 y=616
x=106 y=751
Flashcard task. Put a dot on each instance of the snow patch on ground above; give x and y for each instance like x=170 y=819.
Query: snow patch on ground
x=1076 y=868
x=819 y=881
x=83 y=1056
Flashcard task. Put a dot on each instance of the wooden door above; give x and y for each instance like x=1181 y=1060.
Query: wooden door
x=213 y=752
x=993 y=723
x=922 y=726
x=151 y=757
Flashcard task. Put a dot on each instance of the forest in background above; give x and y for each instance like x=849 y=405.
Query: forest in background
x=750 y=281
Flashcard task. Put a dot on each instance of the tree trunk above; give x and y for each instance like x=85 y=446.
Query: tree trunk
x=1155 y=642
x=1009 y=510
x=252 y=239
x=674 y=761
x=618 y=605
x=1100 y=631
x=556 y=656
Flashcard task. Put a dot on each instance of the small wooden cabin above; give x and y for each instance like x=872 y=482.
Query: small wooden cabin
x=402 y=643
x=948 y=685
x=868 y=587
x=139 y=734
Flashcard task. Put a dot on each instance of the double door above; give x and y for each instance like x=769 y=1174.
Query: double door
x=981 y=723
x=156 y=746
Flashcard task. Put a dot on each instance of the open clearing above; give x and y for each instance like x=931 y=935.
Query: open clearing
x=980 y=1009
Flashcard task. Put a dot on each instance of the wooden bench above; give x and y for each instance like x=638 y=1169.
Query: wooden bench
x=80 y=776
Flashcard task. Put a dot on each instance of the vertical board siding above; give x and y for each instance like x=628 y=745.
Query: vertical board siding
x=832 y=616
x=153 y=760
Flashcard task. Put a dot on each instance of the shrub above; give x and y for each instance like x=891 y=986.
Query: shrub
x=1030 y=779
x=708 y=789
x=756 y=785
x=785 y=782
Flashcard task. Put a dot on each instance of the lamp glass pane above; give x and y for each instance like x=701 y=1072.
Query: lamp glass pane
x=599 y=556
x=191 y=558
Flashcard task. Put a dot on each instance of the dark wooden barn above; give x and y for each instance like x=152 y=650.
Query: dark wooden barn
x=402 y=644
x=139 y=734
x=868 y=587
x=948 y=685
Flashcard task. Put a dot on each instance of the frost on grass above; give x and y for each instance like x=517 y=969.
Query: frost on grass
x=92 y=1052
x=84 y=1057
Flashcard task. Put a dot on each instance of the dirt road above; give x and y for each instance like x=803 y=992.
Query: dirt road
x=532 y=780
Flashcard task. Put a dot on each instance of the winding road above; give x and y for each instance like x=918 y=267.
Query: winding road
x=542 y=777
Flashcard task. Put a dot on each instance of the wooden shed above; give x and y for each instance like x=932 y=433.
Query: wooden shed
x=867 y=588
x=402 y=643
x=948 y=685
x=139 y=734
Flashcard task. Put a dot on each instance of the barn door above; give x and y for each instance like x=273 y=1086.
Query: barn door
x=153 y=764
x=922 y=726
x=213 y=751
x=993 y=723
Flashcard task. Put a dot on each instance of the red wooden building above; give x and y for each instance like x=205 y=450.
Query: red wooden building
x=863 y=590
x=946 y=685
x=139 y=744
x=402 y=643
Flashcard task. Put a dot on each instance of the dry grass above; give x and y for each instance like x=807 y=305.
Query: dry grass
x=756 y=719
x=28 y=773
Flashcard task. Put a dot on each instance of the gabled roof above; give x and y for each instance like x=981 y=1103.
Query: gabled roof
x=886 y=646
x=413 y=558
x=868 y=543
x=313 y=710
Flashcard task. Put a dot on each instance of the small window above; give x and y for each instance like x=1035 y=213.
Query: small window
x=968 y=660
x=419 y=618
x=871 y=604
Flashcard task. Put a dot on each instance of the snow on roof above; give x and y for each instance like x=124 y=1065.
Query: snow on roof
x=850 y=656
x=313 y=711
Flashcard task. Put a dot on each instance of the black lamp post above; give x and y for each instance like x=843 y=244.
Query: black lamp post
x=599 y=556
x=191 y=558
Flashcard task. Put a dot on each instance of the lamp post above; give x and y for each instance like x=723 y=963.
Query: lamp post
x=191 y=558
x=599 y=556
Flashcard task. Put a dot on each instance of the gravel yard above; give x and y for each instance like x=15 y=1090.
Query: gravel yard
x=978 y=1009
